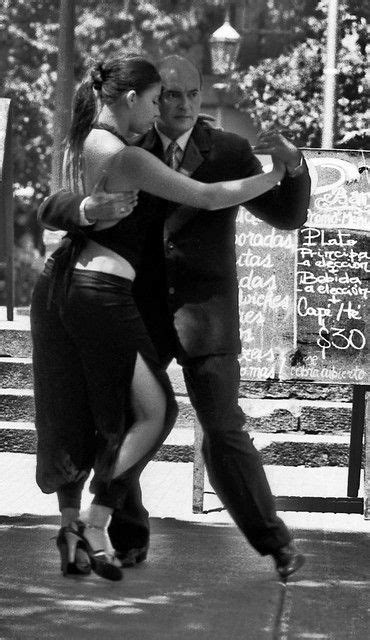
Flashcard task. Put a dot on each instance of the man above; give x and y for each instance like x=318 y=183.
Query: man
x=187 y=293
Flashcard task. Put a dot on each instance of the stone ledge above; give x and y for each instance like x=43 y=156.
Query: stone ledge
x=17 y=407
x=299 y=454
x=261 y=415
x=288 y=453
x=16 y=373
x=275 y=390
x=15 y=341
x=299 y=390
x=318 y=419
x=307 y=454
x=280 y=420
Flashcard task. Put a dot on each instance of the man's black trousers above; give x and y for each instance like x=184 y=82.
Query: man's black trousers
x=233 y=464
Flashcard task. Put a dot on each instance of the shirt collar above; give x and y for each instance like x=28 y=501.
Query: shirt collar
x=182 y=141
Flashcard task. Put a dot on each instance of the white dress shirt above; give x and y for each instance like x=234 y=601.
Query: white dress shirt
x=182 y=141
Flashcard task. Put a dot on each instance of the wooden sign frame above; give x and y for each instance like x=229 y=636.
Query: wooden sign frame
x=338 y=200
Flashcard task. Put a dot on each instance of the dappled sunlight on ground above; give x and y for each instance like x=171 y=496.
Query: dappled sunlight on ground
x=201 y=582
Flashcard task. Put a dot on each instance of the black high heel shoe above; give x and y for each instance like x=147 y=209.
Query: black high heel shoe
x=70 y=546
x=99 y=559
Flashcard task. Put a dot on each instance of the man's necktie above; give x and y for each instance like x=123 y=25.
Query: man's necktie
x=172 y=155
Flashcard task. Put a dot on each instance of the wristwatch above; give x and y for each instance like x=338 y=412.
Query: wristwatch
x=297 y=171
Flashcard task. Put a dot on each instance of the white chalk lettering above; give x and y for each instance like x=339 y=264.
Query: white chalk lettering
x=318 y=312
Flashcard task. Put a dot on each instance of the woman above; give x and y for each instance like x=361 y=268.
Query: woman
x=98 y=381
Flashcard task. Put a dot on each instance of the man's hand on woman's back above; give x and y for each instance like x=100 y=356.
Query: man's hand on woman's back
x=102 y=206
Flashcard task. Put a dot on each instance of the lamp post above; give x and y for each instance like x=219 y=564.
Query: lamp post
x=224 y=43
x=330 y=73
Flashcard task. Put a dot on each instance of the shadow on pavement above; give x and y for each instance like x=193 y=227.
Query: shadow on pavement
x=202 y=581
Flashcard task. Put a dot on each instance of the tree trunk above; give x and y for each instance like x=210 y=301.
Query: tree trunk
x=64 y=88
x=4 y=46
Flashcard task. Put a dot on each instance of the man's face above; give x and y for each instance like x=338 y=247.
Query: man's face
x=180 y=99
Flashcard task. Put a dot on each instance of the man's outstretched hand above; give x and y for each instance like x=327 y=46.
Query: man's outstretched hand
x=102 y=206
x=275 y=144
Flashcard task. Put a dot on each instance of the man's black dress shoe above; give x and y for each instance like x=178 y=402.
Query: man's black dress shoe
x=288 y=560
x=132 y=556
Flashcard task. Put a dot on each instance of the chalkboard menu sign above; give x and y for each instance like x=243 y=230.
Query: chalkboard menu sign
x=303 y=294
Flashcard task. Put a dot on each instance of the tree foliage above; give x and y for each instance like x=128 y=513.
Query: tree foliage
x=285 y=87
x=288 y=91
x=28 y=58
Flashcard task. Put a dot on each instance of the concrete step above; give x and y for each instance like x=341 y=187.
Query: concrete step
x=279 y=449
x=16 y=373
x=15 y=338
x=15 y=342
x=261 y=414
x=17 y=404
x=293 y=424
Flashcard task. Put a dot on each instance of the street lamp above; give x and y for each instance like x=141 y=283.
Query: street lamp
x=224 y=43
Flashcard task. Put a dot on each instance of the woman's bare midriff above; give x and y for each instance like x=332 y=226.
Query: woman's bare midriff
x=95 y=257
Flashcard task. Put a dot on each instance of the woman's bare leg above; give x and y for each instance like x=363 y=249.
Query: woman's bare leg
x=148 y=402
x=149 y=406
x=97 y=519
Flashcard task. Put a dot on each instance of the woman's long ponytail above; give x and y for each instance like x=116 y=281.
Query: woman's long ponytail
x=83 y=115
x=84 y=111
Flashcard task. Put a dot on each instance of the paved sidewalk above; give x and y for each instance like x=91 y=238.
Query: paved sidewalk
x=202 y=580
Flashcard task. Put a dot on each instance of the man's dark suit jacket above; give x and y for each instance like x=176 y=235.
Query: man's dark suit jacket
x=187 y=279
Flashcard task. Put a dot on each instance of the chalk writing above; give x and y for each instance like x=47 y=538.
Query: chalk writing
x=339 y=199
x=332 y=268
x=265 y=262
x=303 y=295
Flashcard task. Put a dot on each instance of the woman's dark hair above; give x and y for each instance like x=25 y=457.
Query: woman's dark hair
x=105 y=84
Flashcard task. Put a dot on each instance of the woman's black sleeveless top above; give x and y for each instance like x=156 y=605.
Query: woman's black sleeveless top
x=126 y=238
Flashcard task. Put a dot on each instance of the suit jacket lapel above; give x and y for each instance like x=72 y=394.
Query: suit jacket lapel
x=152 y=142
x=195 y=154
x=196 y=150
x=192 y=159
